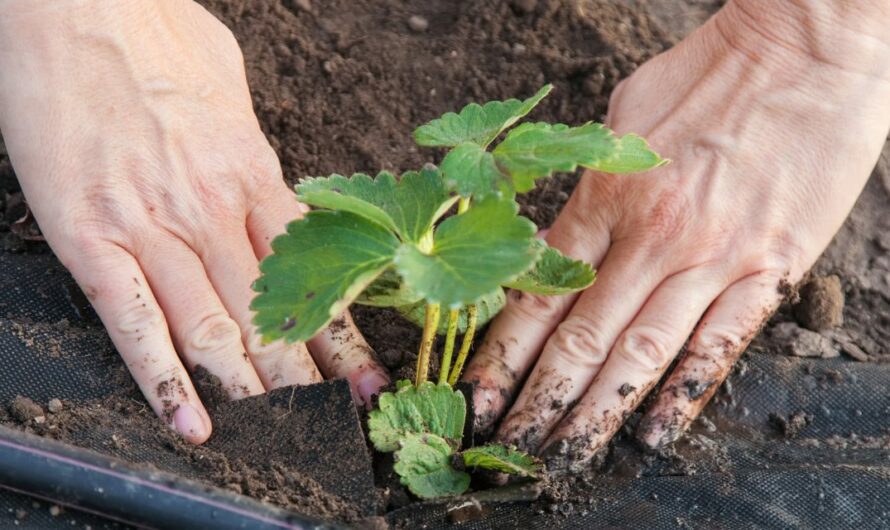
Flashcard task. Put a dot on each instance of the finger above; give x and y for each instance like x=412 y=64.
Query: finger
x=339 y=350
x=232 y=268
x=203 y=331
x=120 y=293
x=635 y=364
x=517 y=335
x=576 y=351
x=725 y=331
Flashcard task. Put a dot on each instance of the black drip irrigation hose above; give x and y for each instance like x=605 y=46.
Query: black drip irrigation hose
x=95 y=483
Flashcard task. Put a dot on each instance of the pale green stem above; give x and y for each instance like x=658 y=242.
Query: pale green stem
x=465 y=345
x=430 y=326
x=450 y=335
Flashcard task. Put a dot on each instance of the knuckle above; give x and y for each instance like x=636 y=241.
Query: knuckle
x=136 y=318
x=579 y=342
x=536 y=307
x=717 y=340
x=215 y=335
x=645 y=348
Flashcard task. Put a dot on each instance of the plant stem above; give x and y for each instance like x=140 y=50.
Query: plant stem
x=430 y=326
x=449 y=345
x=451 y=333
x=465 y=345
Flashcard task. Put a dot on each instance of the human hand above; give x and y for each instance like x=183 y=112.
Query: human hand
x=132 y=132
x=774 y=117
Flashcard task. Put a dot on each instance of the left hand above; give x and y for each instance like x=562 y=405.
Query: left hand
x=771 y=143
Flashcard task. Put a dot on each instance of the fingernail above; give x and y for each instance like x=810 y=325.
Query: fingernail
x=486 y=402
x=189 y=423
x=370 y=385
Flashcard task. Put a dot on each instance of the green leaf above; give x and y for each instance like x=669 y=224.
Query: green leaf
x=317 y=268
x=503 y=459
x=536 y=150
x=633 y=155
x=424 y=463
x=473 y=255
x=408 y=206
x=471 y=171
x=554 y=274
x=388 y=290
x=479 y=124
x=487 y=307
x=433 y=408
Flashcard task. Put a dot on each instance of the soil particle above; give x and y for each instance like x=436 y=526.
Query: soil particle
x=696 y=389
x=418 y=23
x=24 y=410
x=791 y=426
x=626 y=389
x=801 y=342
x=55 y=405
x=821 y=305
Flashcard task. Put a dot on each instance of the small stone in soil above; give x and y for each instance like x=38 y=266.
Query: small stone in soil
x=821 y=304
x=418 y=23
x=55 y=405
x=801 y=342
x=524 y=7
x=55 y=510
x=23 y=409
x=469 y=510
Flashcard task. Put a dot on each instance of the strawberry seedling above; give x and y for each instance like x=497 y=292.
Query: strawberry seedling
x=382 y=241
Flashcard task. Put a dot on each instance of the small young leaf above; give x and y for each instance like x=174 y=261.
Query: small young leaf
x=486 y=308
x=423 y=462
x=408 y=206
x=470 y=170
x=432 y=408
x=633 y=155
x=474 y=254
x=358 y=194
x=479 y=124
x=503 y=459
x=317 y=268
x=536 y=150
x=554 y=274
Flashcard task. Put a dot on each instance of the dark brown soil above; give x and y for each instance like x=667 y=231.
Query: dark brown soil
x=339 y=85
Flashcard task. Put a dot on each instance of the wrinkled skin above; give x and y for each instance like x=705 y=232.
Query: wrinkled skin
x=130 y=127
x=773 y=116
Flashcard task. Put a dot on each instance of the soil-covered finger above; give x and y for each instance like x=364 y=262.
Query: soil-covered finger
x=721 y=337
x=634 y=365
x=519 y=333
x=341 y=351
x=232 y=268
x=577 y=349
x=119 y=291
x=203 y=331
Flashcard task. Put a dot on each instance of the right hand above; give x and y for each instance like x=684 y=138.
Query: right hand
x=131 y=129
